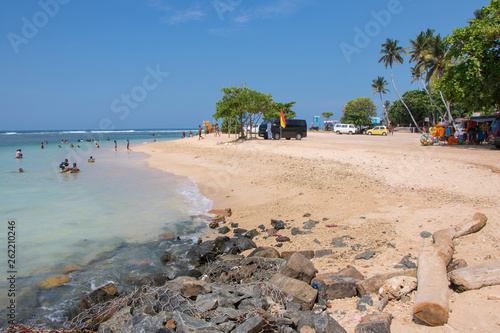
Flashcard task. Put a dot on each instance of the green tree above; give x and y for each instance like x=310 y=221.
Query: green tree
x=275 y=111
x=327 y=115
x=392 y=54
x=359 y=111
x=379 y=86
x=474 y=78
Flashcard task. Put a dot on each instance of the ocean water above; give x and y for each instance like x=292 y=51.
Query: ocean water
x=105 y=218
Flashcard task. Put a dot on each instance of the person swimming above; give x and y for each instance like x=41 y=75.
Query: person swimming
x=91 y=159
x=21 y=170
x=19 y=154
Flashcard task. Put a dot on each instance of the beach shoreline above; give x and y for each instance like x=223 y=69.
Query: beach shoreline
x=379 y=193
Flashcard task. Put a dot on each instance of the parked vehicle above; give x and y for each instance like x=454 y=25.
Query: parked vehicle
x=495 y=133
x=295 y=128
x=345 y=129
x=380 y=130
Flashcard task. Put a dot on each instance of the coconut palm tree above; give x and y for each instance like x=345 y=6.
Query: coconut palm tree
x=419 y=52
x=436 y=62
x=379 y=86
x=392 y=54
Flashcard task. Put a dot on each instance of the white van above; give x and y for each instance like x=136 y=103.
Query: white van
x=345 y=128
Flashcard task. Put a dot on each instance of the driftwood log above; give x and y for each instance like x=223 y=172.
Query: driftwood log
x=431 y=303
x=475 y=277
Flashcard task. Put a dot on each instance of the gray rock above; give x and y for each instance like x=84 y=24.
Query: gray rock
x=188 y=324
x=310 y=224
x=296 y=231
x=227 y=326
x=338 y=242
x=207 y=301
x=251 y=325
x=332 y=286
x=224 y=230
x=189 y=286
x=307 y=215
x=316 y=241
x=261 y=227
x=300 y=268
x=322 y=253
x=365 y=255
x=265 y=252
x=282 y=239
x=116 y=322
x=365 y=300
x=406 y=263
x=278 y=224
x=244 y=243
x=143 y=323
x=309 y=254
x=425 y=234
x=240 y=231
x=326 y=324
x=301 y=292
x=375 y=323
x=251 y=234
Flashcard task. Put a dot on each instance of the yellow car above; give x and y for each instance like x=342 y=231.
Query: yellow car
x=381 y=130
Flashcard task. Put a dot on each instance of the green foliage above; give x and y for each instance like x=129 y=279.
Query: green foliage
x=421 y=106
x=246 y=107
x=474 y=79
x=359 y=111
x=327 y=115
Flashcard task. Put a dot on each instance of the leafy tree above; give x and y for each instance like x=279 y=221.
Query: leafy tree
x=275 y=111
x=474 y=79
x=379 y=86
x=327 y=115
x=392 y=54
x=359 y=111
x=422 y=108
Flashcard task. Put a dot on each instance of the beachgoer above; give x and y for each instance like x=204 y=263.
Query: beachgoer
x=74 y=169
x=96 y=145
x=269 y=134
x=116 y=146
x=91 y=159
x=64 y=164
x=190 y=134
x=217 y=130
x=183 y=134
x=42 y=145
x=128 y=145
x=21 y=170
x=60 y=146
x=18 y=154
x=199 y=133
x=71 y=146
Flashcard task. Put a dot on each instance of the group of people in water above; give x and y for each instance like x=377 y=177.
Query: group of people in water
x=65 y=168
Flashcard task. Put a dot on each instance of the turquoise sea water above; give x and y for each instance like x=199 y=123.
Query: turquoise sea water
x=111 y=207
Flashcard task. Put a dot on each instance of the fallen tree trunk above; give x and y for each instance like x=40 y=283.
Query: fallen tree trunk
x=475 y=277
x=431 y=303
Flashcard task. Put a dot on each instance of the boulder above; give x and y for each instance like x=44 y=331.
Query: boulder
x=351 y=271
x=265 y=252
x=301 y=292
x=365 y=255
x=309 y=254
x=115 y=323
x=188 y=286
x=224 y=230
x=166 y=236
x=331 y=286
x=244 y=243
x=300 y=268
x=53 y=281
x=251 y=234
x=375 y=323
x=100 y=295
x=144 y=323
x=253 y=324
x=324 y=323
x=188 y=324
x=322 y=253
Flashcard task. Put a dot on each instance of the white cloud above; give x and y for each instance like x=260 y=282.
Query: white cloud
x=183 y=16
x=271 y=10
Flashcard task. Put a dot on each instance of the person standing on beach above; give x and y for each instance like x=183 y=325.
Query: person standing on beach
x=128 y=144
x=199 y=133
x=116 y=146
x=269 y=134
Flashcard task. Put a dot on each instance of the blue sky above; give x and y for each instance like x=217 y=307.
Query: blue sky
x=73 y=64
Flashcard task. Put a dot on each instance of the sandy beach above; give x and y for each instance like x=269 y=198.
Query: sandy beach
x=382 y=192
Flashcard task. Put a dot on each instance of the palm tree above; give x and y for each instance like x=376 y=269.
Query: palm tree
x=392 y=54
x=436 y=62
x=379 y=86
x=419 y=51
